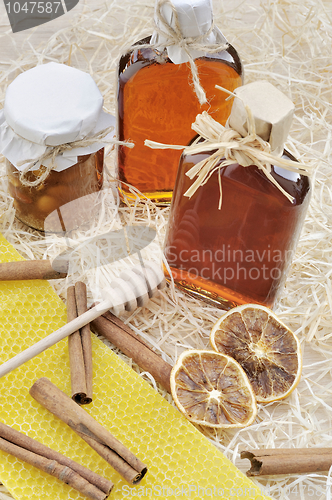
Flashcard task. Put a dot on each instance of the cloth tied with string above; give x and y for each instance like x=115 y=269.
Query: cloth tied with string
x=52 y=153
x=171 y=32
x=53 y=113
x=227 y=147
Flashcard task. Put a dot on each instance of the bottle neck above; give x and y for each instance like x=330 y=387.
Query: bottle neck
x=193 y=19
x=185 y=20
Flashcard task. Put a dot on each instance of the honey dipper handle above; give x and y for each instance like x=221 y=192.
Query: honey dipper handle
x=55 y=337
x=31 y=270
x=118 y=299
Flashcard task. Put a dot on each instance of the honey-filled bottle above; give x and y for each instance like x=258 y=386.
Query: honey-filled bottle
x=231 y=236
x=157 y=99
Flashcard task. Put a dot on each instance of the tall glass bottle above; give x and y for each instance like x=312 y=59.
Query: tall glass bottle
x=157 y=101
x=240 y=253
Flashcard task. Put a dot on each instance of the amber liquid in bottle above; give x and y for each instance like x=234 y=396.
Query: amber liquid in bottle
x=34 y=204
x=156 y=101
x=241 y=253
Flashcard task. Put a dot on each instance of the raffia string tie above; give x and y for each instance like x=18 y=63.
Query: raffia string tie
x=59 y=150
x=174 y=36
x=227 y=147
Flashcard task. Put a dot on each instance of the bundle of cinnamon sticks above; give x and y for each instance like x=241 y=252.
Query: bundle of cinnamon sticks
x=119 y=334
x=63 y=468
x=102 y=441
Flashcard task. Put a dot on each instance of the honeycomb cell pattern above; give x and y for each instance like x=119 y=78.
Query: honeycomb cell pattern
x=181 y=461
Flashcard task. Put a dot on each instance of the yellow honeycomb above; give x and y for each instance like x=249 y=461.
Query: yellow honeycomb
x=181 y=461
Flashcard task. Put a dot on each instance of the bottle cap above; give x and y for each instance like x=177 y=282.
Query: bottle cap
x=49 y=105
x=271 y=110
x=195 y=19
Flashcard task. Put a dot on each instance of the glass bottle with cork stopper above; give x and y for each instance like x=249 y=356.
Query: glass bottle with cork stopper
x=164 y=82
x=233 y=231
x=52 y=133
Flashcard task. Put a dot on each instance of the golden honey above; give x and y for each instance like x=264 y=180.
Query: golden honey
x=157 y=101
x=240 y=253
x=34 y=204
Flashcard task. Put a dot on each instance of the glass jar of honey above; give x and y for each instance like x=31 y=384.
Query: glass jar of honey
x=34 y=205
x=157 y=98
x=231 y=240
x=50 y=134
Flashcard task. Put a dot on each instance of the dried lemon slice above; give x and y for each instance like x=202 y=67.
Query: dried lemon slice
x=267 y=350
x=212 y=389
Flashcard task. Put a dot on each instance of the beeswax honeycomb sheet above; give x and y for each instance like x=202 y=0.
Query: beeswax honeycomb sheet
x=181 y=462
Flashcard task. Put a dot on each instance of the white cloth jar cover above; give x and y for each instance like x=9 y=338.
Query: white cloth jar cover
x=50 y=105
x=195 y=19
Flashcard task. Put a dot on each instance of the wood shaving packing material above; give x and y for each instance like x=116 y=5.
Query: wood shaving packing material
x=288 y=43
x=123 y=403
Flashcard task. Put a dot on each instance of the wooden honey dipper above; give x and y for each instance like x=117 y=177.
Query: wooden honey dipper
x=132 y=289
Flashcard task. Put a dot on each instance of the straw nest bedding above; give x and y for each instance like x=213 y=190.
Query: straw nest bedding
x=287 y=42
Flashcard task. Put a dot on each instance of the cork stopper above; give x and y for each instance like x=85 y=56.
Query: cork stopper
x=272 y=112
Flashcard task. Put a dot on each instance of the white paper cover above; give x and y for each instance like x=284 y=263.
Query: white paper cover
x=271 y=109
x=195 y=19
x=49 y=105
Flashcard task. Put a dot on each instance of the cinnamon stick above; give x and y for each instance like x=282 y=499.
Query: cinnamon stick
x=119 y=334
x=102 y=441
x=79 y=347
x=31 y=270
x=75 y=475
x=288 y=461
x=82 y=307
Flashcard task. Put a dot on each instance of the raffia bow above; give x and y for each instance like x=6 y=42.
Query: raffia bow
x=52 y=153
x=174 y=36
x=227 y=147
